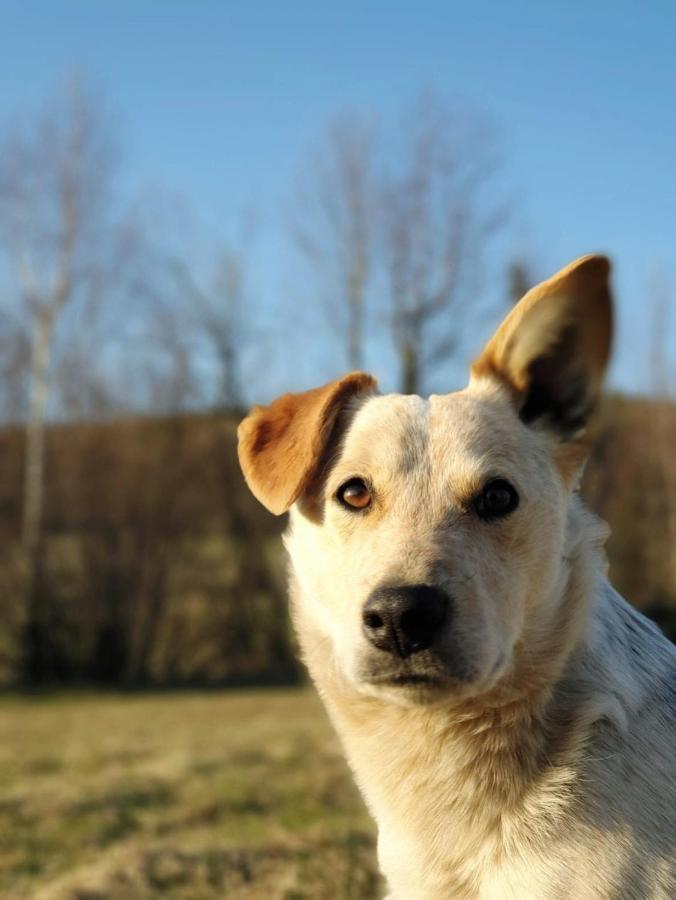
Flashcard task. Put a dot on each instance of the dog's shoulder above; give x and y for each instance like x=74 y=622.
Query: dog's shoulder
x=638 y=660
x=630 y=685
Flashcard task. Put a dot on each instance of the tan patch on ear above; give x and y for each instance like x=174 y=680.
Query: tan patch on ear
x=552 y=351
x=578 y=291
x=281 y=445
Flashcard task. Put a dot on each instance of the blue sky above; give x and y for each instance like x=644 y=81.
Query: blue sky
x=220 y=101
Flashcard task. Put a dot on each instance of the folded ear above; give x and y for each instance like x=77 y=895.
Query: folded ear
x=281 y=446
x=552 y=349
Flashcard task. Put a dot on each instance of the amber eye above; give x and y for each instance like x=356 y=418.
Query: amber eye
x=497 y=499
x=354 y=494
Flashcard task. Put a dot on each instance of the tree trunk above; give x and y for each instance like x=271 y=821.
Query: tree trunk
x=410 y=368
x=354 y=334
x=33 y=502
x=37 y=645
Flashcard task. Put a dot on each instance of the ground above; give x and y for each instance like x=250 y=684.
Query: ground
x=236 y=795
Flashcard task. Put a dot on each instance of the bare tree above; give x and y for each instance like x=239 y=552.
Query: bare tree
x=197 y=301
x=335 y=223
x=216 y=309
x=519 y=281
x=436 y=217
x=54 y=175
x=14 y=356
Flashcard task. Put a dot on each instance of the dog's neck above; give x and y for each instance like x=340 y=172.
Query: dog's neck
x=452 y=788
x=465 y=771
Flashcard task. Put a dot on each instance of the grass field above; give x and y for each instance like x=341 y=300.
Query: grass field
x=184 y=795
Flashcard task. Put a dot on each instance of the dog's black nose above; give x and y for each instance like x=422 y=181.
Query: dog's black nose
x=404 y=620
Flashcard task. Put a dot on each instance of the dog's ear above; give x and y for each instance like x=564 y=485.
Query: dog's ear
x=552 y=349
x=281 y=446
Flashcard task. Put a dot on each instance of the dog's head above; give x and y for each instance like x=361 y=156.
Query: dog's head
x=428 y=536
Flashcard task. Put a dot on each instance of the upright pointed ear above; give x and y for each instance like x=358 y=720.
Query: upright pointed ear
x=552 y=349
x=281 y=446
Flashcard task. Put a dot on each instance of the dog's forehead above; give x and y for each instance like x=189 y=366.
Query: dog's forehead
x=390 y=425
x=403 y=432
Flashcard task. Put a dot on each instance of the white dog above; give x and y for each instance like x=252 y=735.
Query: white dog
x=510 y=720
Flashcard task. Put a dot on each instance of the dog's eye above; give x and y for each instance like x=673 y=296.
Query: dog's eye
x=497 y=499
x=354 y=494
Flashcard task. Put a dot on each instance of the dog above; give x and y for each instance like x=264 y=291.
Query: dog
x=509 y=718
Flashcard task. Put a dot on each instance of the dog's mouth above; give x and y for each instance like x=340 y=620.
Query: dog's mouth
x=406 y=687
x=405 y=679
x=425 y=675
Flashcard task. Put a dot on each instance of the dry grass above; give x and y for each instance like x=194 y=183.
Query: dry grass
x=191 y=795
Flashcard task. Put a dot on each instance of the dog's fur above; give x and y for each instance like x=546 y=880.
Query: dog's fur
x=534 y=757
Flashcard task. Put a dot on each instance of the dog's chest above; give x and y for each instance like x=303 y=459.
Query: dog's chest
x=454 y=828
x=554 y=872
x=452 y=863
